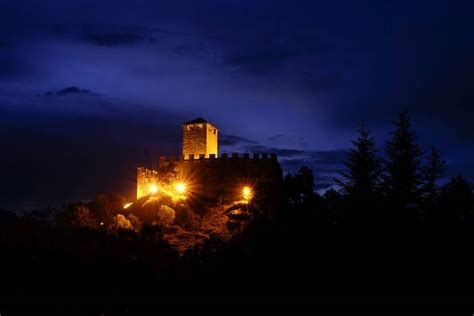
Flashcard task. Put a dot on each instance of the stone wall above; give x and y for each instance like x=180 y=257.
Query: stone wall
x=145 y=178
x=222 y=179
x=199 y=138
x=211 y=141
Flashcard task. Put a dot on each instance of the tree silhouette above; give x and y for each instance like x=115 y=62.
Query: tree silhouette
x=431 y=173
x=360 y=183
x=403 y=177
x=456 y=201
x=334 y=205
x=106 y=205
x=302 y=205
x=299 y=187
x=77 y=214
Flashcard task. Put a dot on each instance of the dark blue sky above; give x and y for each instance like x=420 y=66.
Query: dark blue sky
x=90 y=89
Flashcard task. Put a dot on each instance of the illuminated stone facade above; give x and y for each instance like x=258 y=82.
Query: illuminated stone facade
x=214 y=178
x=199 y=137
x=145 y=179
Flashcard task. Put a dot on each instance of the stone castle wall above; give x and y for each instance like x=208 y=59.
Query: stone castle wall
x=223 y=178
x=211 y=140
x=199 y=138
x=145 y=178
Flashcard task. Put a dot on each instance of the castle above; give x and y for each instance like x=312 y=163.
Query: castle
x=210 y=177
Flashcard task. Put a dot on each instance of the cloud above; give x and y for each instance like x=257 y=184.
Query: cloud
x=232 y=140
x=71 y=90
x=328 y=156
x=232 y=143
x=326 y=164
x=114 y=39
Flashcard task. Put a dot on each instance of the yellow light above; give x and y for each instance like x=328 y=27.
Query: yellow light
x=127 y=205
x=153 y=188
x=247 y=192
x=181 y=187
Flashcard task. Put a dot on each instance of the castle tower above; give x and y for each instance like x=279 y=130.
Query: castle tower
x=199 y=138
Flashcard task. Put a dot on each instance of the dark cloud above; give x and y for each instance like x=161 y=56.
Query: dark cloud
x=328 y=156
x=71 y=90
x=232 y=140
x=232 y=143
x=326 y=164
x=114 y=39
x=50 y=159
x=229 y=142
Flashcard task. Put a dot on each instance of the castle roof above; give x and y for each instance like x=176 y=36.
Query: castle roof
x=198 y=120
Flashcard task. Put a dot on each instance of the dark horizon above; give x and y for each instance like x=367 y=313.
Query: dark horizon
x=89 y=90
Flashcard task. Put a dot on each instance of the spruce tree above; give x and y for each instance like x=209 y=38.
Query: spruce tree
x=403 y=177
x=431 y=173
x=360 y=183
x=363 y=166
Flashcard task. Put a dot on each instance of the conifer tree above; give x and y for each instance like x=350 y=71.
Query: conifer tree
x=360 y=183
x=403 y=177
x=363 y=166
x=431 y=173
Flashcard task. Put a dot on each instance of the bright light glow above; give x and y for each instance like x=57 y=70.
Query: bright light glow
x=181 y=187
x=127 y=205
x=153 y=188
x=247 y=193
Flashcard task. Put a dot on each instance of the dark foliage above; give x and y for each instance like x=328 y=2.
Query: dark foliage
x=456 y=205
x=360 y=184
x=432 y=172
x=403 y=177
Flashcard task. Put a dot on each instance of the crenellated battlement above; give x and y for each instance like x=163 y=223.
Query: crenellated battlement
x=216 y=176
x=225 y=156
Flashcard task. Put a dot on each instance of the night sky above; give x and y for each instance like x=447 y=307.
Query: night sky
x=91 y=89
